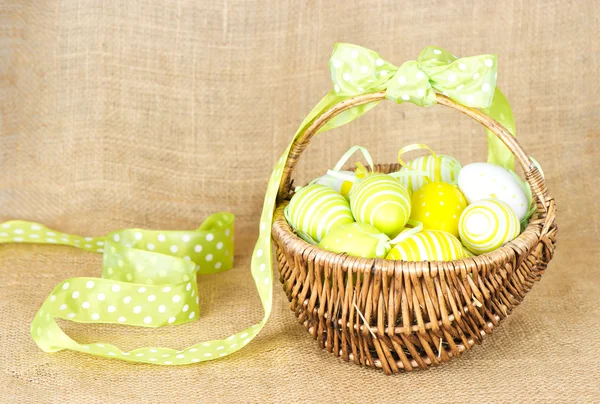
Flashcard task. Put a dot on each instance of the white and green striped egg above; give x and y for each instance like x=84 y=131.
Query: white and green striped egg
x=357 y=239
x=317 y=209
x=381 y=201
x=487 y=225
x=428 y=245
x=438 y=168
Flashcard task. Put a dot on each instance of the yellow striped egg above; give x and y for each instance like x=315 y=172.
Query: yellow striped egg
x=487 y=225
x=381 y=201
x=357 y=239
x=438 y=168
x=428 y=245
x=316 y=209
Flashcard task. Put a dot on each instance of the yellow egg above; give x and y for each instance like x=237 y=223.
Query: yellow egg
x=428 y=245
x=317 y=209
x=381 y=201
x=438 y=206
x=487 y=225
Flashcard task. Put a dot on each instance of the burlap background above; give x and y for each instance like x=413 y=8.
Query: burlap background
x=157 y=113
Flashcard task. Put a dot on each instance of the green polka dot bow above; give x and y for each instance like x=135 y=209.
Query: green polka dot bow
x=149 y=277
x=470 y=81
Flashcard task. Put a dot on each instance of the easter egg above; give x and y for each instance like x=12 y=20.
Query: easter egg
x=438 y=168
x=428 y=245
x=438 y=206
x=381 y=201
x=357 y=239
x=343 y=186
x=479 y=181
x=317 y=209
x=487 y=225
x=467 y=252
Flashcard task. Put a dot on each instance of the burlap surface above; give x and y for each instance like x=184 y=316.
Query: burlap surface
x=157 y=113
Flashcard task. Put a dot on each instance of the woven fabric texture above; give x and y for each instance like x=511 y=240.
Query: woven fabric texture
x=157 y=113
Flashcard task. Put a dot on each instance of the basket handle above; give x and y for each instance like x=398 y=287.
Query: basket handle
x=532 y=174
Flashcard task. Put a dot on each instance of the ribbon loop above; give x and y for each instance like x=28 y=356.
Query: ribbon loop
x=470 y=81
x=356 y=70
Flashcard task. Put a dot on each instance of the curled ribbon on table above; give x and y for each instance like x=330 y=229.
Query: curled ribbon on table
x=149 y=277
x=148 y=280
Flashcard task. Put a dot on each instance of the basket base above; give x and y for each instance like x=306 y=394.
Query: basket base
x=372 y=359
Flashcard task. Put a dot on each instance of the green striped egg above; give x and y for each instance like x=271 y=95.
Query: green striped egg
x=317 y=209
x=357 y=239
x=381 y=201
x=428 y=245
x=487 y=225
x=445 y=169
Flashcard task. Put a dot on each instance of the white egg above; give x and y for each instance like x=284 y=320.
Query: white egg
x=479 y=181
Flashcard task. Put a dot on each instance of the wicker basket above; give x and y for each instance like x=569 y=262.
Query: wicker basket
x=397 y=315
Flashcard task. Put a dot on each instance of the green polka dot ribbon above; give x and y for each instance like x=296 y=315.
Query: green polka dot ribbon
x=148 y=280
x=149 y=277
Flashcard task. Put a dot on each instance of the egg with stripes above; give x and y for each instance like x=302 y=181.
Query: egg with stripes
x=341 y=185
x=428 y=245
x=487 y=225
x=479 y=181
x=316 y=209
x=381 y=201
x=357 y=239
x=438 y=206
x=438 y=168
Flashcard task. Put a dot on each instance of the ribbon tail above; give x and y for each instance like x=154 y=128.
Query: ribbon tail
x=500 y=110
x=261 y=266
